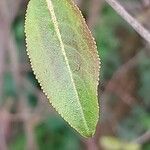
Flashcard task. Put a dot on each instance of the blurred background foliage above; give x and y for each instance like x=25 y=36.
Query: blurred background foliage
x=27 y=121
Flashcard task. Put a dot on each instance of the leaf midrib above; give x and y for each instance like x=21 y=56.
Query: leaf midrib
x=56 y=26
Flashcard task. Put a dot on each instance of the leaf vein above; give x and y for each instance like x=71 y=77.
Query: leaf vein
x=56 y=26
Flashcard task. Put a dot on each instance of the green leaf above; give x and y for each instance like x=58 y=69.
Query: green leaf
x=64 y=58
x=113 y=143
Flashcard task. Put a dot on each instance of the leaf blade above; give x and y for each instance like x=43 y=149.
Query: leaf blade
x=57 y=64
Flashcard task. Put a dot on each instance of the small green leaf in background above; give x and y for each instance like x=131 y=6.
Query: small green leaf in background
x=64 y=58
x=112 y=143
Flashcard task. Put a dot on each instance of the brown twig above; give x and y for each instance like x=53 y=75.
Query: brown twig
x=125 y=67
x=91 y=145
x=94 y=12
x=133 y=22
x=15 y=69
x=144 y=138
x=110 y=86
x=2 y=56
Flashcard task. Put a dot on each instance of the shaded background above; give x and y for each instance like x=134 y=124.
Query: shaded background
x=27 y=120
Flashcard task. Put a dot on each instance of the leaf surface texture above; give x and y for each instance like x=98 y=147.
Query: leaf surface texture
x=64 y=59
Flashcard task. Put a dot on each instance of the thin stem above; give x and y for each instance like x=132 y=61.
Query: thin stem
x=144 y=138
x=133 y=22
